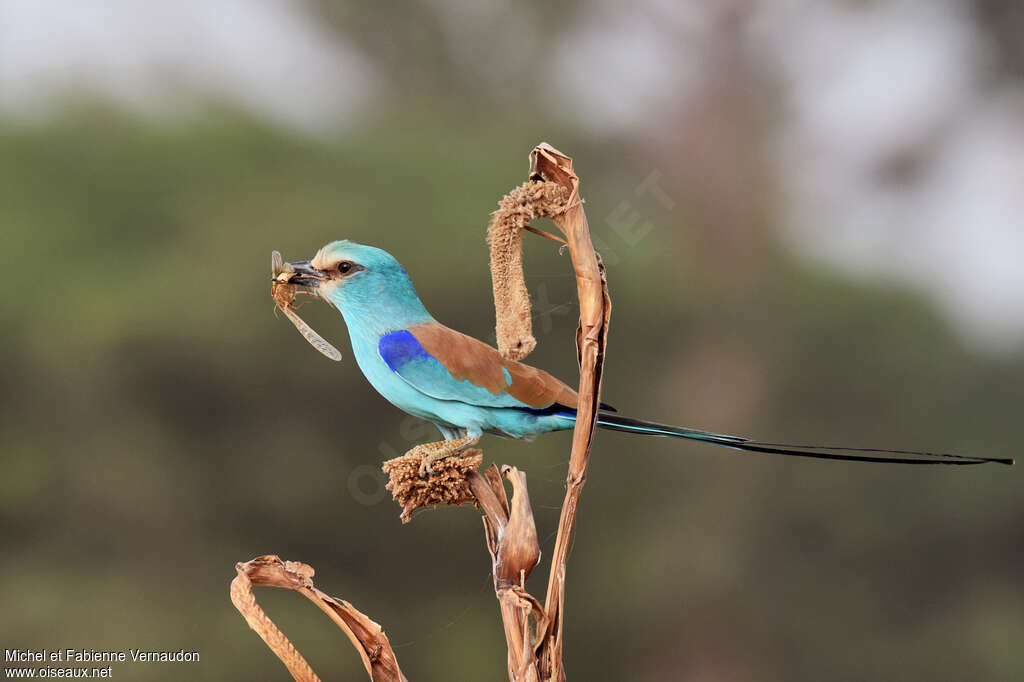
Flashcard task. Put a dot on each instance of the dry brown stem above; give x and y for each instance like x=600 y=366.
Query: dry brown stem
x=366 y=636
x=553 y=192
x=550 y=165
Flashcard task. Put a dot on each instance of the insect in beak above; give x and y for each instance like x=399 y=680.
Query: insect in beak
x=302 y=274
x=285 y=279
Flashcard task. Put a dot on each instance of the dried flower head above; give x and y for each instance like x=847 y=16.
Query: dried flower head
x=447 y=485
x=516 y=209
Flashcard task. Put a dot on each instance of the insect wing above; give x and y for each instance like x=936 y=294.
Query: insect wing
x=314 y=339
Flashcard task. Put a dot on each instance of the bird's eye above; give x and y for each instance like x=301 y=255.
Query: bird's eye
x=344 y=267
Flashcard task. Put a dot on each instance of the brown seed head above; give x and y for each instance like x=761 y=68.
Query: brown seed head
x=447 y=485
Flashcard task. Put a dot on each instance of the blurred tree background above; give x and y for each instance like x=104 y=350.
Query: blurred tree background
x=160 y=424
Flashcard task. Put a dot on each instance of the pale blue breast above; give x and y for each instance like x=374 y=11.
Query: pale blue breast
x=395 y=389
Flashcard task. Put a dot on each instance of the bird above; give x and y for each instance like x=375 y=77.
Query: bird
x=466 y=388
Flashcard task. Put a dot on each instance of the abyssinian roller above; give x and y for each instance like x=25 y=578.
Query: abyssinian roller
x=466 y=388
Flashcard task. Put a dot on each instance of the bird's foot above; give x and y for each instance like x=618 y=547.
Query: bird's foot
x=431 y=452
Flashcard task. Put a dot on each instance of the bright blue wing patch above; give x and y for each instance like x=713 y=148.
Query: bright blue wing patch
x=421 y=370
x=401 y=348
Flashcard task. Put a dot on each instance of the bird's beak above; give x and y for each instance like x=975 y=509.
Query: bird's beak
x=304 y=274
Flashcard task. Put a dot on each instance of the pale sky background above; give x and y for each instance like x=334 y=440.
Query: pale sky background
x=862 y=84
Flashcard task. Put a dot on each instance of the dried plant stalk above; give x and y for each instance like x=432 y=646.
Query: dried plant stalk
x=513 y=324
x=553 y=192
x=512 y=543
x=534 y=653
x=550 y=165
x=366 y=636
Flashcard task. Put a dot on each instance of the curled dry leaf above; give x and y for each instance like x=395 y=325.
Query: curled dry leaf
x=366 y=636
x=512 y=543
x=511 y=532
x=518 y=548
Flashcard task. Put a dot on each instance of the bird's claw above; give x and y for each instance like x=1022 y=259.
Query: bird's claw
x=426 y=468
x=429 y=456
x=432 y=452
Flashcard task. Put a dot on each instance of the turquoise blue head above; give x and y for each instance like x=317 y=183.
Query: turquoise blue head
x=370 y=288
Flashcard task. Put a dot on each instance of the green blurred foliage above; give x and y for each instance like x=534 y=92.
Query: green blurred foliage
x=160 y=423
